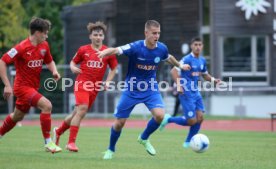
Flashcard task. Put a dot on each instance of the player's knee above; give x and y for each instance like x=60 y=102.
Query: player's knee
x=47 y=107
x=200 y=119
x=192 y=121
x=158 y=118
x=82 y=109
x=118 y=125
x=17 y=116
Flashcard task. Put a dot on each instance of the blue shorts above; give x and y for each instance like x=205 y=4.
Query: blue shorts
x=127 y=103
x=191 y=104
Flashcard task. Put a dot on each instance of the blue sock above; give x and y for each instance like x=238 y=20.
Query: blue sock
x=151 y=127
x=193 y=131
x=178 y=120
x=114 y=136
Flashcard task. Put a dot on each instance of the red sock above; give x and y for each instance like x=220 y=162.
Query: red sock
x=7 y=125
x=64 y=126
x=45 y=122
x=73 y=134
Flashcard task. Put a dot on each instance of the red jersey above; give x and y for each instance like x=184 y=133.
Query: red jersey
x=28 y=61
x=92 y=68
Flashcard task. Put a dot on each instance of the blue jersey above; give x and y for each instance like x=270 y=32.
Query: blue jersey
x=142 y=65
x=190 y=78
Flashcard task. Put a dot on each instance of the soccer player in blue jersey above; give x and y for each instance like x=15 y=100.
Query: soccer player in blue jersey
x=144 y=58
x=190 y=96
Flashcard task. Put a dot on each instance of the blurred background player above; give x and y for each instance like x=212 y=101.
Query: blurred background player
x=177 y=101
x=28 y=57
x=189 y=95
x=91 y=71
x=144 y=58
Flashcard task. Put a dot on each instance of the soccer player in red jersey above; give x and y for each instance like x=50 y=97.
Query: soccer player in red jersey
x=91 y=72
x=28 y=57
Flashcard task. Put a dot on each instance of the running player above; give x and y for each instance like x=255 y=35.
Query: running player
x=91 y=72
x=28 y=57
x=190 y=97
x=144 y=58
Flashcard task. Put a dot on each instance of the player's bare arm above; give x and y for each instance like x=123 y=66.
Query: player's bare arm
x=74 y=68
x=174 y=62
x=52 y=67
x=5 y=80
x=176 y=78
x=110 y=77
x=210 y=78
x=108 y=52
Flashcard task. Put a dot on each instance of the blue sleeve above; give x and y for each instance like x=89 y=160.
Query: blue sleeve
x=129 y=49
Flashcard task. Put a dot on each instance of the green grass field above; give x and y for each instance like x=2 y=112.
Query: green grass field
x=22 y=148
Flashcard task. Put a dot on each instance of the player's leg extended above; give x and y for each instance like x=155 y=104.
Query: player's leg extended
x=188 y=107
x=74 y=127
x=11 y=120
x=45 y=121
x=65 y=125
x=122 y=112
x=195 y=126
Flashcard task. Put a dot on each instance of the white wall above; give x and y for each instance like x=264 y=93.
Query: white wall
x=255 y=105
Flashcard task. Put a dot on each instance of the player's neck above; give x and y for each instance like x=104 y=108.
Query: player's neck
x=196 y=55
x=96 y=47
x=150 y=46
x=33 y=40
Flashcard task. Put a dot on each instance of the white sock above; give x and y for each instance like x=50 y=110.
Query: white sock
x=48 y=140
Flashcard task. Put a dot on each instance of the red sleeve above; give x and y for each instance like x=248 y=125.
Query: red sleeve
x=48 y=57
x=78 y=56
x=112 y=62
x=13 y=54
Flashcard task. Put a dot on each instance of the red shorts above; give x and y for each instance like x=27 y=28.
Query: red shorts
x=25 y=98
x=85 y=97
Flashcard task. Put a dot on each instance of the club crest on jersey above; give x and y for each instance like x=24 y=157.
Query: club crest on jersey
x=157 y=60
x=12 y=52
x=43 y=52
x=201 y=67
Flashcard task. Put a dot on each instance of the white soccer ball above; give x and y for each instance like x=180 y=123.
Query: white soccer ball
x=199 y=143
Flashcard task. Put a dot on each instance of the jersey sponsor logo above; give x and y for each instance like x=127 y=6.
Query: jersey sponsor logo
x=157 y=60
x=43 y=52
x=94 y=64
x=146 y=67
x=125 y=47
x=196 y=73
x=35 y=63
x=12 y=52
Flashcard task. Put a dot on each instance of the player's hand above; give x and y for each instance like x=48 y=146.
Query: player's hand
x=7 y=92
x=102 y=54
x=185 y=67
x=218 y=81
x=75 y=70
x=56 y=76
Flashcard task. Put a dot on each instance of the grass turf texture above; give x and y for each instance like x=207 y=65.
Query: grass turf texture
x=22 y=148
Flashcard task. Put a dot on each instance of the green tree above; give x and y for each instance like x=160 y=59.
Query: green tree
x=11 y=28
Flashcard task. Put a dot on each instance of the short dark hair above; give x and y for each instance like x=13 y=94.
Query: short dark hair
x=39 y=24
x=96 y=26
x=196 y=39
x=150 y=23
